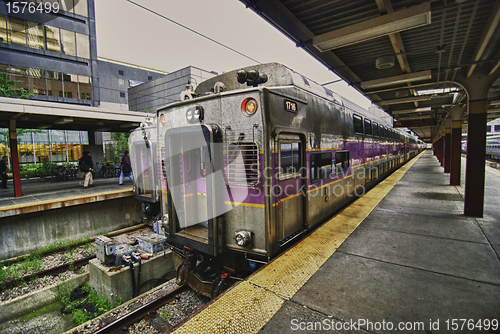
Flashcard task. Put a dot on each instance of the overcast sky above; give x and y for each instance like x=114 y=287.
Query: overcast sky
x=128 y=33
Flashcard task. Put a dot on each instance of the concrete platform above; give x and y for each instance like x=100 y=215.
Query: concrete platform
x=403 y=255
x=57 y=211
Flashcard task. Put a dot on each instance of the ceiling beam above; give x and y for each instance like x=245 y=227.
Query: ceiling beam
x=385 y=6
x=383 y=25
x=488 y=31
x=398 y=79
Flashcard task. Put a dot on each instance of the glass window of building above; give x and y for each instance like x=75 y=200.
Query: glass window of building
x=16 y=31
x=67 y=5
x=38 y=83
x=41 y=147
x=19 y=74
x=3 y=29
x=70 y=86
x=58 y=145
x=54 y=84
x=82 y=46
x=81 y=7
x=497 y=128
x=34 y=33
x=85 y=87
x=68 y=42
x=52 y=39
x=488 y=128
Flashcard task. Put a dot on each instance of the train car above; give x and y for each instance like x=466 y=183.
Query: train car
x=252 y=160
x=147 y=169
x=493 y=149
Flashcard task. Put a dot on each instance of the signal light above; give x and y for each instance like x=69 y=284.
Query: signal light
x=249 y=107
x=162 y=121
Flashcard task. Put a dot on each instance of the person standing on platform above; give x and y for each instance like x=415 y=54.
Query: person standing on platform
x=3 y=171
x=87 y=166
x=126 y=168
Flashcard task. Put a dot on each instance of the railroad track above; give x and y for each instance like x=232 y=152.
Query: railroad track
x=48 y=272
x=122 y=324
x=70 y=265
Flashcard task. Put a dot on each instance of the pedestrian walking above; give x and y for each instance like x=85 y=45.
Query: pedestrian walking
x=87 y=166
x=80 y=175
x=3 y=171
x=126 y=168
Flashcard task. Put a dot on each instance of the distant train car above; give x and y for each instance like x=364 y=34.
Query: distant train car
x=146 y=167
x=493 y=149
x=252 y=160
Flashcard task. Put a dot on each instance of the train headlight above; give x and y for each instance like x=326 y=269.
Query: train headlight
x=194 y=114
x=249 y=107
x=162 y=121
x=243 y=238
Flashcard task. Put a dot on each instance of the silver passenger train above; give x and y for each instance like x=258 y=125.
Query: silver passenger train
x=252 y=160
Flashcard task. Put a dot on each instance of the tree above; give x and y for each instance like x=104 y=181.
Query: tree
x=6 y=89
x=120 y=140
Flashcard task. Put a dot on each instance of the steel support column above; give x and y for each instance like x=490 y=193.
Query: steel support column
x=456 y=144
x=476 y=156
x=14 y=158
x=447 y=146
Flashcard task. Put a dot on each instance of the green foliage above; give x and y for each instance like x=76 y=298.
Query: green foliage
x=31 y=264
x=121 y=143
x=6 y=89
x=85 y=308
x=166 y=315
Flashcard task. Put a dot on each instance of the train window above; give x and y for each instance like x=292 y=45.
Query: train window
x=289 y=159
x=321 y=166
x=242 y=163
x=358 y=123
x=368 y=127
x=341 y=162
x=376 y=133
x=368 y=175
x=374 y=173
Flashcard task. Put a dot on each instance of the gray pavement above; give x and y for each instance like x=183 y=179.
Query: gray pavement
x=36 y=191
x=415 y=261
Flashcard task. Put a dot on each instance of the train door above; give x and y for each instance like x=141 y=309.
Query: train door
x=195 y=187
x=289 y=191
x=143 y=153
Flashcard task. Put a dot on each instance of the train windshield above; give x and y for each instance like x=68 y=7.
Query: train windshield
x=144 y=168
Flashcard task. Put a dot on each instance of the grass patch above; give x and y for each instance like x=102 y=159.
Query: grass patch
x=83 y=302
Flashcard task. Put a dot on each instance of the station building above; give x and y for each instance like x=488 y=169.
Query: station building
x=53 y=55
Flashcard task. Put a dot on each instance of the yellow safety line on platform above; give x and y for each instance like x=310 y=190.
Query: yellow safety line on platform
x=250 y=305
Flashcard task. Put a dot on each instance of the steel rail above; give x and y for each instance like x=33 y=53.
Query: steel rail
x=138 y=314
x=51 y=271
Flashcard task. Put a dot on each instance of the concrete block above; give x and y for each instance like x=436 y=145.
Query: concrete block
x=115 y=283
x=153 y=243
x=35 y=300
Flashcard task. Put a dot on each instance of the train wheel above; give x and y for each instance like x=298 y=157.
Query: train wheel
x=218 y=283
x=179 y=279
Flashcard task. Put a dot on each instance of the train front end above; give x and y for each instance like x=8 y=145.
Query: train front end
x=212 y=152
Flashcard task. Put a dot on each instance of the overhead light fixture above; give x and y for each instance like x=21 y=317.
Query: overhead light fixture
x=63 y=120
x=103 y=129
x=414 y=117
x=384 y=62
x=409 y=111
x=396 y=80
x=405 y=100
x=44 y=126
x=409 y=18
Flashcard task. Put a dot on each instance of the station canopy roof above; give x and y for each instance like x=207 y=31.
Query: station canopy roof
x=403 y=55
